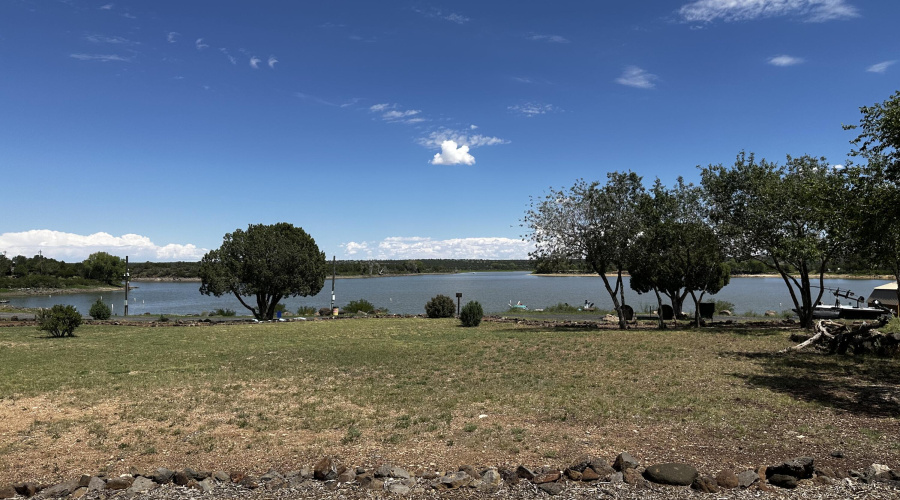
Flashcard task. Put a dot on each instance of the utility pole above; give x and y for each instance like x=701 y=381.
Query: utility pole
x=333 y=272
x=126 y=285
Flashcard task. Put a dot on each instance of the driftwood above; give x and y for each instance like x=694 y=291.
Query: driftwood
x=862 y=338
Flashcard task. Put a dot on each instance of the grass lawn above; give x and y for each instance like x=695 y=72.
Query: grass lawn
x=416 y=392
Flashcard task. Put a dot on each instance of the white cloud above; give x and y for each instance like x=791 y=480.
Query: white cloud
x=108 y=6
x=230 y=57
x=114 y=40
x=391 y=114
x=272 y=62
x=453 y=154
x=530 y=109
x=437 y=13
x=785 y=60
x=254 y=62
x=200 y=45
x=427 y=248
x=548 y=38
x=376 y=108
x=880 y=67
x=437 y=138
x=76 y=247
x=172 y=36
x=457 y=18
x=748 y=10
x=100 y=57
x=637 y=77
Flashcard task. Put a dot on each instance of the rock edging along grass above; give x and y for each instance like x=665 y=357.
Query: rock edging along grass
x=800 y=472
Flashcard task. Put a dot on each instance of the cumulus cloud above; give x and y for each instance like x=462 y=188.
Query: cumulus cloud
x=428 y=248
x=747 y=10
x=880 y=67
x=548 y=38
x=637 y=77
x=530 y=109
x=785 y=60
x=453 y=154
x=76 y=247
x=272 y=62
x=254 y=62
x=100 y=57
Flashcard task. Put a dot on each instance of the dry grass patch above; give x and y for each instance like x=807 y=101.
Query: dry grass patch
x=417 y=392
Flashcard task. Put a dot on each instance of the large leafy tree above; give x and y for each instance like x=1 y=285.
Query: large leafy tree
x=104 y=267
x=677 y=253
x=266 y=262
x=879 y=138
x=788 y=217
x=589 y=221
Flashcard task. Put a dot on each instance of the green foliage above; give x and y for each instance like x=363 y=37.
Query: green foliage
x=59 y=320
x=724 y=305
x=471 y=314
x=306 y=311
x=359 y=306
x=267 y=262
x=561 y=308
x=879 y=141
x=224 y=312
x=326 y=311
x=440 y=306
x=163 y=318
x=104 y=267
x=100 y=311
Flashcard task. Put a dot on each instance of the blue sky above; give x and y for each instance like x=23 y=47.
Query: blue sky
x=399 y=129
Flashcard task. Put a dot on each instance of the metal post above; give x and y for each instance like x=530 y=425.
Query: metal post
x=333 y=273
x=458 y=298
x=126 y=285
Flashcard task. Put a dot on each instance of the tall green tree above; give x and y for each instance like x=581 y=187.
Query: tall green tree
x=104 y=267
x=879 y=138
x=788 y=217
x=589 y=221
x=266 y=262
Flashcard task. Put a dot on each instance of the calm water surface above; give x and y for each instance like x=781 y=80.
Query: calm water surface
x=408 y=294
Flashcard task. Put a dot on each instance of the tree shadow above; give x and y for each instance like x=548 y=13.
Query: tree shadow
x=867 y=386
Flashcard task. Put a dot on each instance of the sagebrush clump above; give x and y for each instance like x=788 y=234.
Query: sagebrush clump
x=359 y=306
x=471 y=314
x=100 y=311
x=440 y=306
x=59 y=320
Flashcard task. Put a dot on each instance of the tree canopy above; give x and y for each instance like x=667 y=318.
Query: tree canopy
x=104 y=267
x=267 y=262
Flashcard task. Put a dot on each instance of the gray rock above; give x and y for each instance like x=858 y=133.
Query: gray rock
x=221 y=476
x=524 y=473
x=671 y=473
x=271 y=475
x=207 y=485
x=383 y=471
x=195 y=474
x=347 y=476
x=492 y=477
x=119 y=483
x=142 y=485
x=617 y=477
x=551 y=488
x=747 y=478
x=456 y=480
x=7 y=491
x=162 y=475
x=800 y=468
x=782 y=481
x=398 y=488
x=84 y=481
x=468 y=469
x=399 y=473
x=625 y=461
x=96 y=484
x=26 y=489
x=878 y=472
x=60 y=490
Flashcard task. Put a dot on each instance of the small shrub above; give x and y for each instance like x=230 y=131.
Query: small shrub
x=561 y=308
x=471 y=314
x=59 y=320
x=100 y=310
x=279 y=307
x=724 y=305
x=163 y=318
x=223 y=312
x=359 y=306
x=440 y=306
x=306 y=311
x=325 y=311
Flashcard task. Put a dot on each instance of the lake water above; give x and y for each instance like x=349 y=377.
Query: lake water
x=408 y=294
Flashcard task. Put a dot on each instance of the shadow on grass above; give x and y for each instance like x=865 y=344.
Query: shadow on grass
x=866 y=386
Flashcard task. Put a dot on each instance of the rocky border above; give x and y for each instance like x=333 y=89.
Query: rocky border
x=589 y=476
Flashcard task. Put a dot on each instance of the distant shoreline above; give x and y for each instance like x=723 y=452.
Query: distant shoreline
x=886 y=277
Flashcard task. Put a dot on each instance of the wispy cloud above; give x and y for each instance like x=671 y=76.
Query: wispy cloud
x=634 y=76
x=254 y=62
x=112 y=40
x=272 y=62
x=437 y=138
x=747 y=10
x=172 y=36
x=548 y=38
x=76 y=247
x=530 y=109
x=318 y=100
x=880 y=67
x=785 y=60
x=230 y=57
x=200 y=45
x=390 y=113
x=427 y=248
x=453 y=154
x=439 y=14
x=108 y=6
x=100 y=57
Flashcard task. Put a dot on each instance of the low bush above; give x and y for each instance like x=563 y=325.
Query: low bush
x=561 y=308
x=724 y=305
x=306 y=311
x=59 y=320
x=471 y=314
x=440 y=306
x=359 y=306
x=100 y=311
x=325 y=311
x=223 y=312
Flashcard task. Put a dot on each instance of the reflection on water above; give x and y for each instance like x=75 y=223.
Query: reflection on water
x=408 y=294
